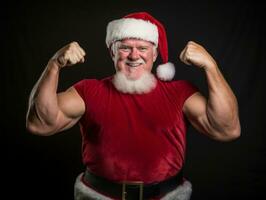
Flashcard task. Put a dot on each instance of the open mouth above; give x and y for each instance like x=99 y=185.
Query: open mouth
x=134 y=64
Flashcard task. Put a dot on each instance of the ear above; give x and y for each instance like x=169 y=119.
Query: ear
x=155 y=54
x=111 y=52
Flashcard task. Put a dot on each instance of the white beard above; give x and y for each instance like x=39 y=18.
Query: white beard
x=144 y=84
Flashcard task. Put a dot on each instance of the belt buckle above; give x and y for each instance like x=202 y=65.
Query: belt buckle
x=134 y=183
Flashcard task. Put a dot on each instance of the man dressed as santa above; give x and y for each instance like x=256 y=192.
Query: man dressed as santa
x=134 y=123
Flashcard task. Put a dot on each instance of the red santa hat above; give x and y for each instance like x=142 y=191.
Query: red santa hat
x=143 y=26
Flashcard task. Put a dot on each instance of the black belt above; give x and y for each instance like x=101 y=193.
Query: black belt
x=132 y=190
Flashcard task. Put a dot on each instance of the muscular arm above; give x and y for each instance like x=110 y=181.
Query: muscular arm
x=50 y=112
x=217 y=116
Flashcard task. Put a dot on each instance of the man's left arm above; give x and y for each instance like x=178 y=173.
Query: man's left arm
x=217 y=116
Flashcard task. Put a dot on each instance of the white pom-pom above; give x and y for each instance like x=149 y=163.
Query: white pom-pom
x=166 y=72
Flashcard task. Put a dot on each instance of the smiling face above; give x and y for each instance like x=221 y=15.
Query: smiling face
x=133 y=57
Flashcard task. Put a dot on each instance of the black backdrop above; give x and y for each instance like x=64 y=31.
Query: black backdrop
x=37 y=167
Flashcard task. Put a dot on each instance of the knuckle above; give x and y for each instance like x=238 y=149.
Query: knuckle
x=73 y=62
x=189 y=46
x=73 y=44
x=67 y=52
x=187 y=53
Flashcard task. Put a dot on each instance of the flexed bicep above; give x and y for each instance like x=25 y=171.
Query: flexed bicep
x=71 y=108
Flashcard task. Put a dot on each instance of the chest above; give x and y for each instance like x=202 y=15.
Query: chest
x=119 y=111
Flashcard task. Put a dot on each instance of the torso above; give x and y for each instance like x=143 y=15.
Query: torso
x=134 y=137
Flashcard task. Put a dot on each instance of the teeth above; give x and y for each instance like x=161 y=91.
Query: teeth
x=133 y=64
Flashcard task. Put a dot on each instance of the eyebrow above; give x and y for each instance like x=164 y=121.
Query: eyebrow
x=128 y=45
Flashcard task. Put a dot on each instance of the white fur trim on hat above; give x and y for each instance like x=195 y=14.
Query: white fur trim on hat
x=131 y=28
x=166 y=72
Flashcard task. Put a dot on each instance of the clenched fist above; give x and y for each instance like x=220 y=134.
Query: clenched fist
x=69 y=55
x=195 y=54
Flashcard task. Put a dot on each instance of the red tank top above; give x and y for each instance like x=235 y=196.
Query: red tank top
x=134 y=137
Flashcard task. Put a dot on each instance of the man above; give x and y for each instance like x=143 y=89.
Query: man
x=133 y=124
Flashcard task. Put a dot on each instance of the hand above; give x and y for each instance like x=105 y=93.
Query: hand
x=70 y=54
x=195 y=54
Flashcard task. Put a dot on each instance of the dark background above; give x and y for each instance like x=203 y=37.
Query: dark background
x=37 y=167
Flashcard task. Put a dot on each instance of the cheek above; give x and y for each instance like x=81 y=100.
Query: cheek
x=149 y=58
x=119 y=58
x=122 y=55
x=119 y=61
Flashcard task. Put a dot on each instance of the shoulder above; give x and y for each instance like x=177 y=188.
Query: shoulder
x=180 y=89
x=92 y=82
x=86 y=82
x=87 y=87
x=182 y=83
x=179 y=84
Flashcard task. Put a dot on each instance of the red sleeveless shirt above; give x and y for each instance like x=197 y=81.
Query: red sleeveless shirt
x=139 y=137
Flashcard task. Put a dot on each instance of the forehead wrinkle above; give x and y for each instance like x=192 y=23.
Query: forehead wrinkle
x=139 y=42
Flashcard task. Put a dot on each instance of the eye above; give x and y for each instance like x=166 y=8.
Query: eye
x=142 y=49
x=124 y=48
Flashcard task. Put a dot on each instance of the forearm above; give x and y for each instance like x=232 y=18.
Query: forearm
x=43 y=105
x=222 y=106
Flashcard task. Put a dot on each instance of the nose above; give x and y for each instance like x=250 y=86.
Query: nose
x=134 y=54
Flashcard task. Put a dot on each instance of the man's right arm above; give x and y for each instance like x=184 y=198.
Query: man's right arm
x=50 y=112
